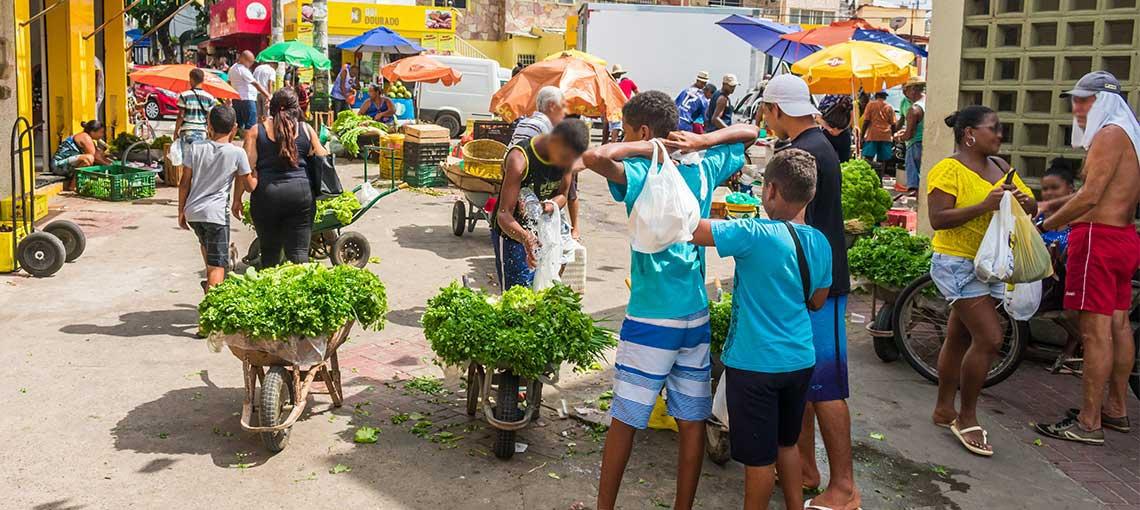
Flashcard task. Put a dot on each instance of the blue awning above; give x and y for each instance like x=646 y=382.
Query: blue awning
x=764 y=35
x=889 y=39
x=381 y=39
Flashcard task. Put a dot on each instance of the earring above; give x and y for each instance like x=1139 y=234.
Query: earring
x=971 y=142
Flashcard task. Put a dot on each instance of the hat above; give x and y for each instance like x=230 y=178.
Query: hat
x=703 y=76
x=914 y=82
x=791 y=94
x=730 y=79
x=617 y=71
x=1094 y=82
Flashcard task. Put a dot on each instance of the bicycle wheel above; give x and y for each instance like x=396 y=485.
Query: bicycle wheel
x=921 y=315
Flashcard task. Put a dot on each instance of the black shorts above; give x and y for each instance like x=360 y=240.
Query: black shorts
x=765 y=412
x=215 y=239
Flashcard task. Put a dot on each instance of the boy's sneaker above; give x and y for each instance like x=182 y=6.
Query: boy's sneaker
x=1120 y=424
x=1070 y=429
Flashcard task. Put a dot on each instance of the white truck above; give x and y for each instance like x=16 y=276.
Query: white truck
x=662 y=47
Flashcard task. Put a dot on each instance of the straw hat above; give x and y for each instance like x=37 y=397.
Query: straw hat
x=914 y=82
x=617 y=71
x=703 y=77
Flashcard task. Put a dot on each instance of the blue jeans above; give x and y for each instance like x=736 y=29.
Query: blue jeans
x=510 y=261
x=913 y=164
x=246 y=111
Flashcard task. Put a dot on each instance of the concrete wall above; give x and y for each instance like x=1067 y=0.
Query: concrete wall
x=9 y=109
x=942 y=94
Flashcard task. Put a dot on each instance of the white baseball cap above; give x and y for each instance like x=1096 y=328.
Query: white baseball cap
x=790 y=93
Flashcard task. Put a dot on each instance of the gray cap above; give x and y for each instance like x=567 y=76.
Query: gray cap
x=1094 y=82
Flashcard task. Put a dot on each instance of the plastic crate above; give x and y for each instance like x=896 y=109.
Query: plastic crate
x=114 y=182
x=417 y=154
x=424 y=176
x=493 y=130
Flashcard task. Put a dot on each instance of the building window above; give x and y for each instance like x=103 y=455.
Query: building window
x=810 y=17
x=726 y=3
x=458 y=4
x=526 y=59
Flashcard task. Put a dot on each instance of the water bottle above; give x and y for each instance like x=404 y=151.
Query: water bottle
x=532 y=207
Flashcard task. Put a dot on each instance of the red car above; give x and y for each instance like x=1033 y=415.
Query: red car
x=159 y=102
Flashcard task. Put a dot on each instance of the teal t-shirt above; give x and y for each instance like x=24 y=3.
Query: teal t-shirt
x=771 y=329
x=672 y=283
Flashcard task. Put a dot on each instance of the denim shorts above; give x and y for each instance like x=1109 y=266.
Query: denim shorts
x=955 y=278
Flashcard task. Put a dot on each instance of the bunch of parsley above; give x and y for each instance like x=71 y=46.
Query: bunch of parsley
x=862 y=194
x=720 y=317
x=890 y=257
x=291 y=300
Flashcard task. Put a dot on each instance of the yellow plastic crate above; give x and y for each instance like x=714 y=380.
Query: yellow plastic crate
x=7 y=256
x=22 y=205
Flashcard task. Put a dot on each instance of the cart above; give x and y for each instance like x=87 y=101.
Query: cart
x=505 y=415
x=330 y=240
x=285 y=386
x=479 y=177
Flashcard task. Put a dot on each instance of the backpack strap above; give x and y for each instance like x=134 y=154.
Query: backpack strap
x=801 y=260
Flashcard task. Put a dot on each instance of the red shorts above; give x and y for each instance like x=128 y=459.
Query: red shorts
x=1102 y=260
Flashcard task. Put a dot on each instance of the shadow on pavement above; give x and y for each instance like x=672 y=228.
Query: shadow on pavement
x=57 y=505
x=179 y=322
x=439 y=240
x=407 y=317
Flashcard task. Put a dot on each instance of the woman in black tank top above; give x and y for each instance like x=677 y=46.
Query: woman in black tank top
x=282 y=205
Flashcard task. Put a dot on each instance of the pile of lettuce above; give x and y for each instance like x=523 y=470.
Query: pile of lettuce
x=348 y=127
x=865 y=202
x=720 y=318
x=527 y=331
x=343 y=206
x=294 y=300
x=890 y=257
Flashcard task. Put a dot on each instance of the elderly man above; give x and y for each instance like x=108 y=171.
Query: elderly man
x=1103 y=254
x=550 y=109
x=247 y=87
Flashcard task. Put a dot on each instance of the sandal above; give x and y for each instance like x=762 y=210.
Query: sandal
x=977 y=450
x=809 y=506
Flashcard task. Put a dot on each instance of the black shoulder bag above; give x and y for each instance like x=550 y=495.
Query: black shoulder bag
x=322 y=174
x=801 y=260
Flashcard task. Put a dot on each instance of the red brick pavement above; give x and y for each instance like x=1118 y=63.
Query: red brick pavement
x=1110 y=473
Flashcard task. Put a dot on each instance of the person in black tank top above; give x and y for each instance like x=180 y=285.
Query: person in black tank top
x=281 y=206
x=542 y=164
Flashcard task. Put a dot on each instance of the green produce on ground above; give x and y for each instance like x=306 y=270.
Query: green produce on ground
x=720 y=318
x=863 y=196
x=343 y=206
x=890 y=257
x=525 y=330
x=288 y=300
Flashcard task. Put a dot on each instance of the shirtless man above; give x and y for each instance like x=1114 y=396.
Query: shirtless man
x=1104 y=252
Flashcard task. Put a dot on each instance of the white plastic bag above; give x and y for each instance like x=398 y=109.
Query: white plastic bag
x=1023 y=300
x=994 y=261
x=175 y=153
x=366 y=193
x=549 y=255
x=666 y=211
x=720 y=401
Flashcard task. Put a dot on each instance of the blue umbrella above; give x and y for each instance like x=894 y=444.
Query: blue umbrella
x=764 y=35
x=381 y=39
x=889 y=39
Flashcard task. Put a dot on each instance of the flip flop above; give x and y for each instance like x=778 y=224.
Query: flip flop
x=809 y=506
x=958 y=433
x=945 y=425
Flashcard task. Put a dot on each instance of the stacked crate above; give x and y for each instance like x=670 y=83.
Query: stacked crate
x=425 y=150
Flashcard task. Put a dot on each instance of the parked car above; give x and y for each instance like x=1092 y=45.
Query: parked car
x=158 y=102
x=451 y=107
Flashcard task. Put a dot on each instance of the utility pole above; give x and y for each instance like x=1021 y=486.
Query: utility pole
x=277 y=35
x=321 y=100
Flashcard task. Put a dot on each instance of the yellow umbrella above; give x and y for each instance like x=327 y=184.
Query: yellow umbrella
x=847 y=67
x=580 y=55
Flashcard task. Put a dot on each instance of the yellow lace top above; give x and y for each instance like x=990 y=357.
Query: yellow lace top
x=969 y=189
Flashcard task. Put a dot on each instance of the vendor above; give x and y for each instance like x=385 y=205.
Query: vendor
x=378 y=106
x=79 y=150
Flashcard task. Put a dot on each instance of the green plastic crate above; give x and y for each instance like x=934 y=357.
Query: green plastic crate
x=424 y=176
x=114 y=182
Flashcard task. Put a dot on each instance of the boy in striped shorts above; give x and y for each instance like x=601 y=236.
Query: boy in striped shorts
x=665 y=336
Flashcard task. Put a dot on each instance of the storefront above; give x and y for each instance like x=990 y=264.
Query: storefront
x=430 y=27
x=238 y=25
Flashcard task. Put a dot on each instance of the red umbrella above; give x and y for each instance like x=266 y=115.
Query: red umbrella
x=176 y=78
x=835 y=33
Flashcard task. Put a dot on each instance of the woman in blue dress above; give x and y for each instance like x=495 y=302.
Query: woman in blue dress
x=378 y=106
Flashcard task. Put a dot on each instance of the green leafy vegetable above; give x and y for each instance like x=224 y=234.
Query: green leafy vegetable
x=864 y=199
x=288 y=300
x=348 y=127
x=720 y=317
x=890 y=257
x=340 y=468
x=528 y=331
x=427 y=385
x=160 y=141
x=120 y=144
x=344 y=206
x=366 y=435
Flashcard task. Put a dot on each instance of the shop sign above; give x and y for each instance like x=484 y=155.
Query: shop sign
x=350 y=18
x=228 y=17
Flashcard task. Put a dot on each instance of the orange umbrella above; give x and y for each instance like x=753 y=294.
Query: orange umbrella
x=421 y=68
x=176 y=78
x=835 y=33
x=588 y=88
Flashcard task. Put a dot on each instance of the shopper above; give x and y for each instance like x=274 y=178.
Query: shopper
x=911 y=134
x=835 y=119
x=281 y=206
x=877 y=133
x=788 y=112
x=378 y=105
x=963 y=191
x=665 y=335
x=1104 y=253
x=628 y=86
x=550 y=109
x=79 y=150
x=718 y=115
x=690 y=103
x=247 y=87
x=266 y=76
x=193 y=106
x=210 y=168
x=783 y=268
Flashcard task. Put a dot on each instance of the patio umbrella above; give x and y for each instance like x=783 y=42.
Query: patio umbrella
x=588 y=88
x=296 y=54
x=176 y=78
x=847 y=67
x=835 y=33
x=421 y=68
x=889 y=39
x=578 y=55
x=764 y=35
x=383 y=40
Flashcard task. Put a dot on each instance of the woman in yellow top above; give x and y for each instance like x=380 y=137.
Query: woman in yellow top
x=963 y=191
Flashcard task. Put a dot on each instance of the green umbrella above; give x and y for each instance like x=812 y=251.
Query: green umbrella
x=296 y=54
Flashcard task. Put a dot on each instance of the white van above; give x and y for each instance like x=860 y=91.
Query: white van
x=451 y=107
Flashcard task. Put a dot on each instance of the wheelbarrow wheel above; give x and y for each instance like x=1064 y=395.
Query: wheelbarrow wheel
x=351 y=249
x=74 y=242
x=41 y=254
x=474 y=384
x=458 y=218
x=276 y=397
x=506 y=409
x=885 y=346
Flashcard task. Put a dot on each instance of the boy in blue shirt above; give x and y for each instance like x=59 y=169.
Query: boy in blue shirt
x=783 y=268
x=665 y=336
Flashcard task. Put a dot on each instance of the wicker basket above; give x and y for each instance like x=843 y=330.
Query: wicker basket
x=484 y=158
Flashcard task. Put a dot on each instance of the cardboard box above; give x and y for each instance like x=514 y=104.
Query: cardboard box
x=426 y=133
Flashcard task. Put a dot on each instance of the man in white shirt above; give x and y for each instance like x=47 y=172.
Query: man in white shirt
x=266 y=75
x=247 y=87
